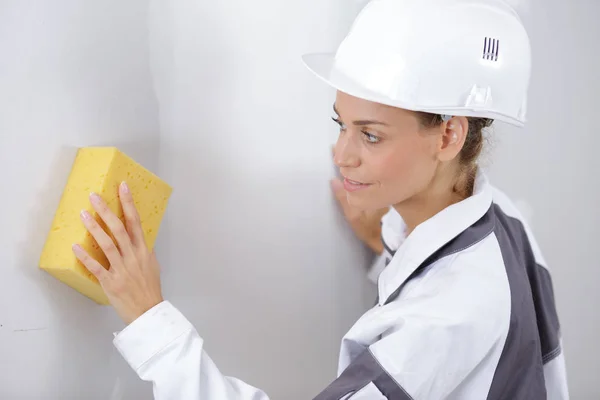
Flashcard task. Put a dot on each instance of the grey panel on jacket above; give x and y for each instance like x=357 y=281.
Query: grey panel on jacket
x=533 y=336
x=362 y=371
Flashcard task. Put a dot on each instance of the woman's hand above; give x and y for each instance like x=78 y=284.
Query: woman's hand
x=365 y=224
x=132 y=284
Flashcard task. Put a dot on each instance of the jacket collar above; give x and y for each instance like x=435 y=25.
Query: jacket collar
x=429 y=237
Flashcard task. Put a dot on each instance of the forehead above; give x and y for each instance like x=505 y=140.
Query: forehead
x=354 y=108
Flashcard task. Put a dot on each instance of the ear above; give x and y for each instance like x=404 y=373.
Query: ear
x=453 y=135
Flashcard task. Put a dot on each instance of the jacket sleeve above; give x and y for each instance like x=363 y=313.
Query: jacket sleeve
x=163 y=347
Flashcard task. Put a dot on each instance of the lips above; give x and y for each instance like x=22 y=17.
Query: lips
x=355 y=182
x=352 y=186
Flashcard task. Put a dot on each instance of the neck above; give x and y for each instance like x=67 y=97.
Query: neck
x=443 y=191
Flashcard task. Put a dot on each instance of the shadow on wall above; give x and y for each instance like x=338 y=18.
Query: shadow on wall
x=68 y=308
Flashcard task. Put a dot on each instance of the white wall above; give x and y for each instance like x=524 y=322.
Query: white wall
x=268 y=271
x=254 y=249
x=72 y=73
x=268 y=261
x=552 y=167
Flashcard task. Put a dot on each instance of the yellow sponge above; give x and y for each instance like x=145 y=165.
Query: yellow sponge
x=100 y=170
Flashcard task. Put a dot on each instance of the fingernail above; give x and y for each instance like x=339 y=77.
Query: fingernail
x=85 y=215
x=95 y=198
x=124 y=187
x=76 y=248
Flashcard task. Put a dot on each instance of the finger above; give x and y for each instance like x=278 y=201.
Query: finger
x=340 y=194
x=92 y=265
x=337 y=169
x=338 y=189
x=104 y=241
x=114 y=224
x=132 y=217
x=351 y=213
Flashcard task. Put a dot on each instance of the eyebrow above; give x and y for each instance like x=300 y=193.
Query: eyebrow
x=362 y=122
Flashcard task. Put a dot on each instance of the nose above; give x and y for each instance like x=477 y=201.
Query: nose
x=346 y=153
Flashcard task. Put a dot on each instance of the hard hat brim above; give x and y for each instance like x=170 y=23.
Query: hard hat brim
x=323 y=66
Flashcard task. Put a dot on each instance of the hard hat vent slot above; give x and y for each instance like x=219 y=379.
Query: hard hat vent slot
x=491 y=49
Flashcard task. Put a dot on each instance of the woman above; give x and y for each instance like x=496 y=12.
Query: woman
x=465 y=306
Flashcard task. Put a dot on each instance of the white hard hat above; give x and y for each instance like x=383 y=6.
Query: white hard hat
x=449 y=57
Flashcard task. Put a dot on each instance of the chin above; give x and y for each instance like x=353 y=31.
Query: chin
x=364 y=202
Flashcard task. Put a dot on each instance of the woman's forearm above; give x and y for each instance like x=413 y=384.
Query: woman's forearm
x=164 y=348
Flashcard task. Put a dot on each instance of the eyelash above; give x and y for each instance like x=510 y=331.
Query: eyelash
x=369 y=137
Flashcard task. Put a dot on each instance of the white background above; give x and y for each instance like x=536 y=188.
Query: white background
x=213 y=97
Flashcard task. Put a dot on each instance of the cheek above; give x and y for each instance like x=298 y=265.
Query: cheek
x=407 y=168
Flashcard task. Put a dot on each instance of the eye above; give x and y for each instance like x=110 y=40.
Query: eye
x=337 y=121
x=371 y=138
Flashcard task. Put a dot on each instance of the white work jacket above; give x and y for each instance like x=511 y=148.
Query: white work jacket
x=465 y=311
